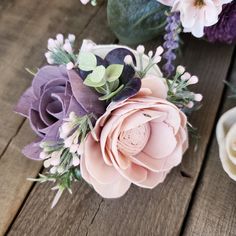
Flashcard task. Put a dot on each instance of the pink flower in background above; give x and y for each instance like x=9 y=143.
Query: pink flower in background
x=137 y=141
x=197 y=14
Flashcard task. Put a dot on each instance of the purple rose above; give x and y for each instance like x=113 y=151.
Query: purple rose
x=55 y=92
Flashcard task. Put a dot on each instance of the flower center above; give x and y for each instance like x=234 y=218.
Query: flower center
x=199 y=3
x=133 y=141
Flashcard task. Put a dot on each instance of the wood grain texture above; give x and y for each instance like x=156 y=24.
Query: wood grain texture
x=140 y=212
x=25 y=27
x=213 y=211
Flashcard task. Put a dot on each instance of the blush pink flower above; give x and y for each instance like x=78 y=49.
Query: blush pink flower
x=197 y=14
x=138 y=140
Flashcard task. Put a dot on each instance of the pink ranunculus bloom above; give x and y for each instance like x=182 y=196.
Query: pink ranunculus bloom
x=138 y=140
x=197 y=14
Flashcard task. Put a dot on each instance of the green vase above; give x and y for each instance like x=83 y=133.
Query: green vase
x=136 y=21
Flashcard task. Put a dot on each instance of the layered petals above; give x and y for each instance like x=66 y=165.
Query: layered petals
x=137 y=141
x=55 y=92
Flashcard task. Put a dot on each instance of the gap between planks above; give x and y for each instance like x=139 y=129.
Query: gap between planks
x=193 y=217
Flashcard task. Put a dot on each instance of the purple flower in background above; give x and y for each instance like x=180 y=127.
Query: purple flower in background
x=55 y=92
x=171 y=42
x=225 y=29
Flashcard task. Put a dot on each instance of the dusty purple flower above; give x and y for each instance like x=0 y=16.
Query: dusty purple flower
x=171 y=42
x=225 y=29
x=55 y=92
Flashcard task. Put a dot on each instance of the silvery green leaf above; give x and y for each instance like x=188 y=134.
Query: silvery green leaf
x=96 y=78
x=113 y=72
x=114 y=85
x=101 y=90
x=87 y=61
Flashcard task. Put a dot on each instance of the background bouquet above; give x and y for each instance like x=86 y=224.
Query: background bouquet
x=107 y=115
x=135 y=21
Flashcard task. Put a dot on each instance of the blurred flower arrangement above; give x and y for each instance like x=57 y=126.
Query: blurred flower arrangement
x=214 y=19
x=136 y=21
x=107 y=115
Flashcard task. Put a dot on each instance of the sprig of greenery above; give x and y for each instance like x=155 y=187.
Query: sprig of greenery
x=65 y=172
x=63 y=182
x=104 y=80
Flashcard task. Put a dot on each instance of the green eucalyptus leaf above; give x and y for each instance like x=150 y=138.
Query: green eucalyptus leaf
x=110 y=95
x=114 y=85
x=87 y=61
x=101 y=90
x=96 y=78
x=113 y=72
x=136 y=21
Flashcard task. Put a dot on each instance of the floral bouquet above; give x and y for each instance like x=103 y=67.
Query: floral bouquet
x=214 y=19
x=106 y=114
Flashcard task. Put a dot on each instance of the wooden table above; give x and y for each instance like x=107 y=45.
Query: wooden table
x=197 y=197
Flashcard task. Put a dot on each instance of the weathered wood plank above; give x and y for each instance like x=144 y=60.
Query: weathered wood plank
x=140 y=212
x=24 y=29
x=213 y=211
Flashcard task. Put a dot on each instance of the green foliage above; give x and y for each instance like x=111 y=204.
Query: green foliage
x=96 y=78
x=105 y=80
x=136 y=21
x=113 y=72
x=87 y=61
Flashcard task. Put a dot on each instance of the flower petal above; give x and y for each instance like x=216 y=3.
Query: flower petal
x=153 y=179
x=24 y=103
x=95 y=164
x=32 y=151
x=156 y=85
x=87 y=98
x=162 y=141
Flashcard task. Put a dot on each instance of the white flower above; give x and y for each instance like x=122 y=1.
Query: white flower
x=193 y=80
x=180 y=69
x=226 y=137
x=85 y=1
x=140 y=49
x=197 y=14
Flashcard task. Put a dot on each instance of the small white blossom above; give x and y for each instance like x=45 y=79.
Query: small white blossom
x=68 y=48
x=75 y=160
x=71 y=38
x=52 y=44
x=69 y=66
x=190 y=105
x=159 y=51
x=198 y=97
x=128 y=60
x=47 y=163
x=53 y=170
x=193 y=80
x=150 y=54
x=180 y=70
x=60 y=39
x=140 y=49
x=185 y=76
